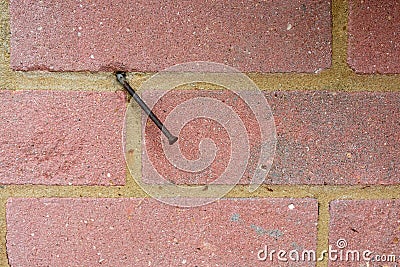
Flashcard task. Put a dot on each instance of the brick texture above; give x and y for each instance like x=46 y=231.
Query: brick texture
x=374 y=36
x=334 y=138
x=144 y=232
x=203 y=126
x=61 y=138
x=67 y=143
x=263 y=36
x=365 y=225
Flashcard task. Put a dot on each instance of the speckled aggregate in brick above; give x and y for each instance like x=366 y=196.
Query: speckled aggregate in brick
x=144 y=232
x=333 y=138
x=372 y=225
x=374 y=36
x=195 y=131
x=336 y=138
x=61 y=138
x=256 y=36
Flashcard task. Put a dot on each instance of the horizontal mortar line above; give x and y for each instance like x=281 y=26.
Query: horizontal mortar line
x=329 y=192
x=329 y=80
x=70 y=191
x=326 y=192
x=266 y=81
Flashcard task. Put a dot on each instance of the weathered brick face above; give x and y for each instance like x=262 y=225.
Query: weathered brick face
x=61 y=138
x=374 y=36
x=143 y=232
x=370 y=228
x=329 y=71
x=253 y=36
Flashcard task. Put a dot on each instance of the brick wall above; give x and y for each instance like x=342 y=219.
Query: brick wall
x=328 y=69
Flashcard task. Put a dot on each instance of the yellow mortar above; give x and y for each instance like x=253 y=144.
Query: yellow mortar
x=338 y=78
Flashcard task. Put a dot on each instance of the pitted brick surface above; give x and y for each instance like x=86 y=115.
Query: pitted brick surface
x=253 y=36
x=334 y=138
x=374 y=36
x=144 y=232
x=61 y=138
x=369 y=227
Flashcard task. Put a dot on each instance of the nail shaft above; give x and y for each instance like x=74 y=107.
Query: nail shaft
x=121 y=79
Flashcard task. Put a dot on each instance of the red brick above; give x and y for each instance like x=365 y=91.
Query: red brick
x=61 y=138
x=144 y=232
x=365 y=225
x=263 y=36
x=374 y=36
x=155 y=161
x=335 y=138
